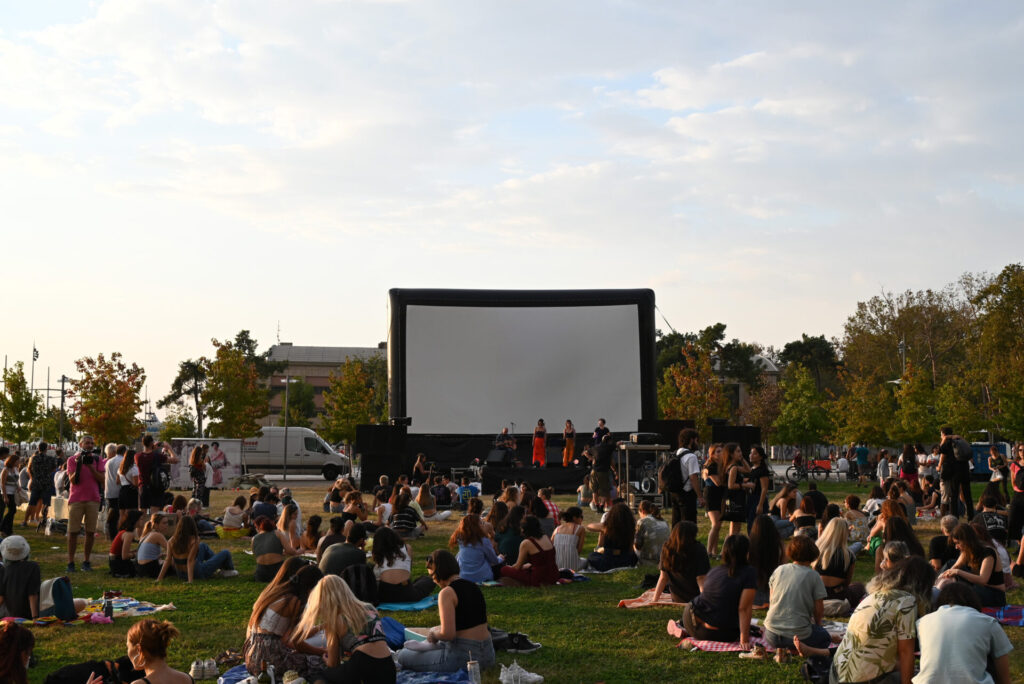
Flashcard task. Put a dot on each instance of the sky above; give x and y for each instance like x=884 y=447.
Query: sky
x=175 y=171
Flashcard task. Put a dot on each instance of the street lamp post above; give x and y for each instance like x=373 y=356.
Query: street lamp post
x=287 y=383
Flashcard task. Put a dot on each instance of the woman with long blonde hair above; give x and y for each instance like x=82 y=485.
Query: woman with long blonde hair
x=349 y=625
x=286 y=524
x=269 y=636
x=835 y=563
x=714 y=489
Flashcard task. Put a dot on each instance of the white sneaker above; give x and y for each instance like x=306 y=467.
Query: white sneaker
x=198 y=670
x=229 y=573
x=210 y=668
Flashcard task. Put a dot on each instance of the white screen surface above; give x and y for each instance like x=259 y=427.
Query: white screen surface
x=477 y=369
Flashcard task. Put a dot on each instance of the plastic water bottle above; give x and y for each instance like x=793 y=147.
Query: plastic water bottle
x=108 y=608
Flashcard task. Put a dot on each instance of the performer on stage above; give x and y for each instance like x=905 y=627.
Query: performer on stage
x=569 y=435
x=600 y=431
x=504 y=440
x=540 y=440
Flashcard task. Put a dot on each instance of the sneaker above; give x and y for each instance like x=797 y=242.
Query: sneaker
x=210 y=669
x=518 y=643
x=198 y=670
x=86 y=566
x=229 y=573
x=71 y=567
x=593 y=507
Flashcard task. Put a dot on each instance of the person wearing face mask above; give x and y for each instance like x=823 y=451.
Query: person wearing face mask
x=16 y=644
x=147 y=649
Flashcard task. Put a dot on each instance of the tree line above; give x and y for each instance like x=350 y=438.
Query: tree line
x=226 y=394
x=906 y=364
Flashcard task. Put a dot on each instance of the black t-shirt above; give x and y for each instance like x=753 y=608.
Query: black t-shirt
x=719 y=603
x=946 y=449
x=337 y=557
x=820 y=501
x=837 y=567
x=18 y=581
x=599 y=434
x=995 y=524
x=603 y=458
x=942 y=550
x=684 y=585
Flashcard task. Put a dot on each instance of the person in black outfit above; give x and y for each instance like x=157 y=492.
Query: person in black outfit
x=602 y=472
x=819 y=499
x=962 y=473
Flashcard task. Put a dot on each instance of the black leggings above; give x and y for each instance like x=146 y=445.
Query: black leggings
x=360 y=669
x=410 y=592
x=7 y=526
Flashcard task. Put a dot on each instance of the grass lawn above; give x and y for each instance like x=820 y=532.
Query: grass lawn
x=585 y=637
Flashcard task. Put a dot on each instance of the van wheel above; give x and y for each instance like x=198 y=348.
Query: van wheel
x=330 y=472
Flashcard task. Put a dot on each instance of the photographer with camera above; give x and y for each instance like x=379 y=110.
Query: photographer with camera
x=86 y=475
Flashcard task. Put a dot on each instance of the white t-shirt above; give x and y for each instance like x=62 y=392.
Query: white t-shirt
x=955 y=644
x=110 y=484
x=690 y=465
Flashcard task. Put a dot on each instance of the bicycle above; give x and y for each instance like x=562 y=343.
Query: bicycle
x=796 y=473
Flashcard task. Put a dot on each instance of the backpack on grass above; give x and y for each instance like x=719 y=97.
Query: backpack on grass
x=56 y=599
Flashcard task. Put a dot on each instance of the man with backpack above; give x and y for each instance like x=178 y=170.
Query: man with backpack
x=958 y=455
x=41 y=468
x=150 y=462
x=681 y=478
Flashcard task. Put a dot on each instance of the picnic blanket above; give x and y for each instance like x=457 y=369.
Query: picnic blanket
x=1011 y=616
x=422 y=604
x=646 y=599
x=93 y=613
x=721 y=646
x=409 y=677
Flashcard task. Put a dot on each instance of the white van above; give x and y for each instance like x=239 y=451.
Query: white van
x=307 y=453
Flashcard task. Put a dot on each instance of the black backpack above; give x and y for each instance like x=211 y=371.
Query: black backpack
x=158 y=480
x=962 y=450
x=361 y=580
x=670 y=477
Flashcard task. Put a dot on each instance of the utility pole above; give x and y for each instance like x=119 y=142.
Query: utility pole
x=32 y=383
x=60 y=428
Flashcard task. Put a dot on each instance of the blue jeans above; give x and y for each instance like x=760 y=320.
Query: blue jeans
x=208 y=562
x=819 y=638
x=785 y=527
x=451 y=656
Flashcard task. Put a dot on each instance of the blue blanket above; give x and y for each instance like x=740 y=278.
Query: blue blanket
x=423 y=604
x=407 y=677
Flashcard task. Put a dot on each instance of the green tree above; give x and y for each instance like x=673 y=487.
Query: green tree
x=19 y=408
x=914 y=419
x=998 y=347
x=348 y=401
x=803 y=418
x=106 y=398
x=862 y=411
x=189 y=382
x=691 y=390
x=377 y=369
x=245 y=343
x=763 y=409
x=180 y=422
x=301 y=406
x=958 y=404
x=49 y=424
x=236 y=401
x=816 y=354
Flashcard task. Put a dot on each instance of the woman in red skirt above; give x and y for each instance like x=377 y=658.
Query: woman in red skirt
x=536 y=563
x=540 y=440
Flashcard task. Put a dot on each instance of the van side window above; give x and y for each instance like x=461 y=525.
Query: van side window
x=311 y=444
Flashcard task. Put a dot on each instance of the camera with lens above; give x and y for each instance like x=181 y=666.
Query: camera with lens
x=87 y=458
